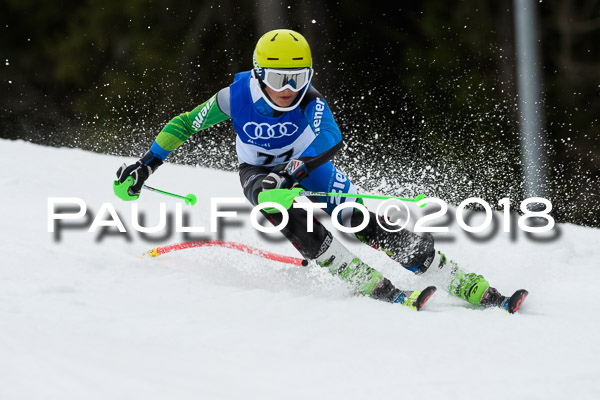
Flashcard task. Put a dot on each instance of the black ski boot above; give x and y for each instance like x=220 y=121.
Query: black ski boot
x=492 y=298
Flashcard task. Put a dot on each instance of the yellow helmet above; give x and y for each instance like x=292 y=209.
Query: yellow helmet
x=282 y=60
x=282 y=48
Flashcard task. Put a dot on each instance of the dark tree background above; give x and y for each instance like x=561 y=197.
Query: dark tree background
x=424 y=91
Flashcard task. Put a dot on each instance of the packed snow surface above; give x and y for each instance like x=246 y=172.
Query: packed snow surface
x=84 y=316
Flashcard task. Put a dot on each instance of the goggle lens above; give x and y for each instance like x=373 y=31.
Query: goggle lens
x=279 y=80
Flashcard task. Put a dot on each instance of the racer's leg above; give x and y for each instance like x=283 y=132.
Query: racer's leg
x=320 y=245
x=415 y=252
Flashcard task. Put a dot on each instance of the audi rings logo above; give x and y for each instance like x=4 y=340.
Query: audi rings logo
x=263 y=130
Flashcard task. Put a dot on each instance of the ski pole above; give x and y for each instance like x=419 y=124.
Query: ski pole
x=190 y=199
x=361 y=196
x=122 y=191
x=286 y=197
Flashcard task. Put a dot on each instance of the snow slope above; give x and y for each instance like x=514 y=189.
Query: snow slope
x=84 y=316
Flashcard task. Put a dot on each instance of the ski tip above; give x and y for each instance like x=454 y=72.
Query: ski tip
x=516 y=300
x=424 y=296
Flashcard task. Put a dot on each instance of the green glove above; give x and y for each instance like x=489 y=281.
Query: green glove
x=131 y=178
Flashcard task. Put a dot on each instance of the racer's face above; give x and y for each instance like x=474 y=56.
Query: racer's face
x=284 y=98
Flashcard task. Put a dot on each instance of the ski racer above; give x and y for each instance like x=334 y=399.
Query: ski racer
x=287 y=137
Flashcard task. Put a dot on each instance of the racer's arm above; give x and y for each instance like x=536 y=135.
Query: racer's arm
x=177 y=131
x=329 y=138
x=180 y=128
x=327 y=142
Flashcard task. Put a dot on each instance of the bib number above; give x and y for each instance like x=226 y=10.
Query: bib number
x=269 y=158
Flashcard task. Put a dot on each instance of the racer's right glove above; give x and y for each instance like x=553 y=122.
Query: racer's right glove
x=285 y=176
x=131 y=178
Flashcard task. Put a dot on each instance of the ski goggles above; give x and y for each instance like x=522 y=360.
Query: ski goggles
x=281 y=79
